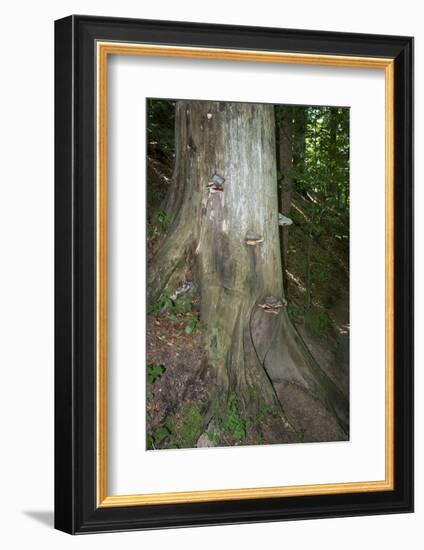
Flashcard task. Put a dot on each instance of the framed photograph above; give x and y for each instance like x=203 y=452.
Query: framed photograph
x=234 y=274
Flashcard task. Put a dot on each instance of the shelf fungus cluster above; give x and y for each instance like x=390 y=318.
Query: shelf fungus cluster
x=252 y=239
x=272 y=305
x=284 y=220
x=215 y=184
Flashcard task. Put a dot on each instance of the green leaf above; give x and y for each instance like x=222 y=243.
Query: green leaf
x=191 y=325
x=154 y=372
x=189 y=328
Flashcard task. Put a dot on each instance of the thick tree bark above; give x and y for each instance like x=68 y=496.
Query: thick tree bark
x=252 y=347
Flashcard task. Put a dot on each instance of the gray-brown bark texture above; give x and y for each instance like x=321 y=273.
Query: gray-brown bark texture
x=285 y=154
x=253 y=349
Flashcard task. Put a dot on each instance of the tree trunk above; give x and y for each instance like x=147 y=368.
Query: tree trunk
x=332 y=181
x=299 y=144
x=174 y=197
x=285 y=153
x=252 y=347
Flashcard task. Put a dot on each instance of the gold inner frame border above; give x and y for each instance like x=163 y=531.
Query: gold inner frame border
x=103 y=50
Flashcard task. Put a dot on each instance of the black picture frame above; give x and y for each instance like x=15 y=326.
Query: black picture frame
x=76 y=510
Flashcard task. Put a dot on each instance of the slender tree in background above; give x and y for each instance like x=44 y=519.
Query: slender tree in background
x=285 y=168
x=320 y=191
x=224 y=204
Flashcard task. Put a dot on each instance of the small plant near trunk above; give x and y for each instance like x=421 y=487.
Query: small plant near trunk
x=158 y=223
x=164 y=302
x=154 y=372
x=191 y=325
x=178 y=309
x=232 y=422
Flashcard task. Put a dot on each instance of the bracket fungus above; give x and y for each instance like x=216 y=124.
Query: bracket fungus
x=215 y=184
x=272 y=305
x=252 y=239
x=284 y=220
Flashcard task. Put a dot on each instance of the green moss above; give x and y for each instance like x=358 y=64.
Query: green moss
x=189 y=426
x=180 y=430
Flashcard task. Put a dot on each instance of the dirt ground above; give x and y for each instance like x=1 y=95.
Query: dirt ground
x=182 y=386
x=182 y=357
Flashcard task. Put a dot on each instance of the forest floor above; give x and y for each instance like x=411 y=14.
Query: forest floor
x=177 y=395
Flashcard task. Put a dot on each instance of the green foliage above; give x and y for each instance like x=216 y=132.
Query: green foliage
x=295 y=313
x=227 y=421
x=163 y=436
x=191 y=325
x=160 y=124
x=164 y=301
x=157 y=437
x=181 y=430
x=182 y=305
x=189 y=426
x=320 y=142
x=158 y=223
x=179 y=307
x=315 y=319
x=292 y=174
x=327 y=154
x=233 y=423
x=160 y=433
x=154 y=371
x=320 y=272
x=213 y=436
x=264 y=412
x=319 y=175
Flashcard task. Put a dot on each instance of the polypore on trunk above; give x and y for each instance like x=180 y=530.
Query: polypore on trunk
x=253 y=239
x=272 y=305
x=215 y=184
x=284 y=220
